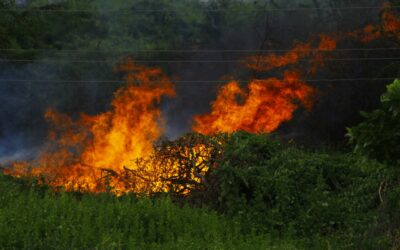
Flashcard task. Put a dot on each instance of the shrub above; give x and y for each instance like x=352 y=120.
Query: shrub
x=288 y=190
x=378 y=136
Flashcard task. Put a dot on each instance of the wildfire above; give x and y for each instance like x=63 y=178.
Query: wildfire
x=390 y=23
x=266 y=103
x=78 y=151
x=118 y=149
x=262 y=108
x=299 y=51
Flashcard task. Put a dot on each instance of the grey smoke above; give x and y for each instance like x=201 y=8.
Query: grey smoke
x=22 y=127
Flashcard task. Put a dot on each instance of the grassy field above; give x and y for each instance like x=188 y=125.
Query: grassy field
x=36 y=218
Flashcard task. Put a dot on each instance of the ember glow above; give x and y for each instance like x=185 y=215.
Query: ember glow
x=389 y=27
x=390 y=23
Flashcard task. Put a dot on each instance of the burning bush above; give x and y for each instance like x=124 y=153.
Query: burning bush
x=178 y=167
x=115 y=150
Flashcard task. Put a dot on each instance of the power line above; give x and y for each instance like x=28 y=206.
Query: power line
x=196 y=81
x=187 y=61
x=200 y=9
x=194 y=51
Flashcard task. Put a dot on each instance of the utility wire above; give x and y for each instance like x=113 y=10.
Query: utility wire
x=193 y=51
x=188 y=61
x=197 y=81
x=200 y=9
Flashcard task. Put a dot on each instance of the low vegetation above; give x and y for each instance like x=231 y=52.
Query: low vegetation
x=33 y=217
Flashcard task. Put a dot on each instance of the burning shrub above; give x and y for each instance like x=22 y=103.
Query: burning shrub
x=182 y=166
x=193 y=156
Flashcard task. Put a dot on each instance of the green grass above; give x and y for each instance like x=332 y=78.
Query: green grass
x=36 y=218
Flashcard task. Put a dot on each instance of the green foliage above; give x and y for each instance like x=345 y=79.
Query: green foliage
x=37 y=218
x=287 y=190
x=378 y=136
x=130 y=28
x=112 y=29
x=119 y=26
x=106 y=32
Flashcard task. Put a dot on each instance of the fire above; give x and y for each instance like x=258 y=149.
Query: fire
x=389 y=27
x=130 y=129
x=78 y=151
x=261 y=108
x=117 y=150
x=299 y=51
x=390 y=23
x=266 y=103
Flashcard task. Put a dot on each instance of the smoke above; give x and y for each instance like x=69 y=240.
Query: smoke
x=23 y=104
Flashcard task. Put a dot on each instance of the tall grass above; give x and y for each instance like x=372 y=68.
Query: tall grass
x=36 y=218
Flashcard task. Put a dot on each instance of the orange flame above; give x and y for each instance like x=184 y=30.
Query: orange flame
x=389 y=27
x=78 y=150
x=265 y=105
x=298 y=52
x=116 y=148
x=269 y=102
x=390 y=23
